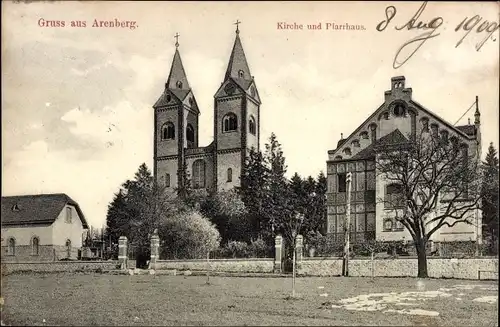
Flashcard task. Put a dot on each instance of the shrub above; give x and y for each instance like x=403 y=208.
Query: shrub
x=237 y=249
x=259 y=248
x=189 y=235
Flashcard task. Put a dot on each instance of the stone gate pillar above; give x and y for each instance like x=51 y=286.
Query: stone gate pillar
x=299 y=248
x=155 y=245
x=278 y=256
x=122 y=252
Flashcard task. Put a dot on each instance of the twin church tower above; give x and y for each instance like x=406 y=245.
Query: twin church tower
x=217 y=166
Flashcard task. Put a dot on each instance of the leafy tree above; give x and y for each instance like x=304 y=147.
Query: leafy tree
x=228 y=212
x=437 y=185
x=489 y=192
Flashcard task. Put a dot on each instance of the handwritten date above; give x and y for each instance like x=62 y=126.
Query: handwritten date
x=430 y=29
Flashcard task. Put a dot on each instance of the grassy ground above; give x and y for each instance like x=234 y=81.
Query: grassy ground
x=94 y=299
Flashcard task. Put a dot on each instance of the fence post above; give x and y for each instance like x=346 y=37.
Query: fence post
x=155 y=244
x=122 y=252
x=278 y=246
x=299 y=248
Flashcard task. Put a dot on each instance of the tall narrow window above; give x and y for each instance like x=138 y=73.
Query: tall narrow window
x=168 y=131
x=229 y=175
x=35 y=243
x=167 y=180
x=229 y=123
x=68 y=215
x=251 y=126
x=199 y=174
x=12 y=246
x=342 y=185
x=394 y=197
x=190 y=133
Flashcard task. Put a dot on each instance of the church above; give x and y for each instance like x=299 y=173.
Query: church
x=392 y=124
x=236 y=127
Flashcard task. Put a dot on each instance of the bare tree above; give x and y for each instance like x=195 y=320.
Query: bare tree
x=434 y=183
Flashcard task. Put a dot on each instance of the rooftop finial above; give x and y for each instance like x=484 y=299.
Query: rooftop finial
x=176 y=40
x=341 y=136
x=237 y=26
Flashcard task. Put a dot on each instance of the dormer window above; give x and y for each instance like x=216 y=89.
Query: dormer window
x=179 y=84
x=15 y=208
x=241 y=74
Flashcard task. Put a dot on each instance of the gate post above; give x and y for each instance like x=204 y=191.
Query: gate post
x=122 y=252
x=155 y=244
x=278 y=246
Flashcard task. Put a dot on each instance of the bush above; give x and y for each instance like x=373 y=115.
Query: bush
x=237 y=249
x=259 y=249
x=188 y=235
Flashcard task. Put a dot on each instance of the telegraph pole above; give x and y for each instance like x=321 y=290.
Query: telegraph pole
x=345 y=266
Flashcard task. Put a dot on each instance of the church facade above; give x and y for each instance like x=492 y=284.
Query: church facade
x=236 y=127
x=395 y=121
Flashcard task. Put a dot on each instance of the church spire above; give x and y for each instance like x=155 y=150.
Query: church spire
x=177 y=78
x=238 y=66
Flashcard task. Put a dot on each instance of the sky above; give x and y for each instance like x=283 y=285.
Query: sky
x=77 y=113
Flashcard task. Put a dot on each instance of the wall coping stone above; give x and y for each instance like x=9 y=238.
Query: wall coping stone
x=217 y=260
x=64 y=262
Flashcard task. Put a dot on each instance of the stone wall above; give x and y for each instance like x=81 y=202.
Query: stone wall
x=24 y=253
x=265 y=265
x=62 y=266
x=407 y=267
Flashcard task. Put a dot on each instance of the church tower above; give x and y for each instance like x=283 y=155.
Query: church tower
x=175 y=125
x=236 y=119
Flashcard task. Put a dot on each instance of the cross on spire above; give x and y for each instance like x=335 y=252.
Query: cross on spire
x=237 y=26
x=176 y=40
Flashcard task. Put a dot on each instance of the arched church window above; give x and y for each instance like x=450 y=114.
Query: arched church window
x=199 y=173
x=229 y=175
x=191 y=101
x=251 y=126
x=168 y=131
x=179 y=84
x=190 y=133
x=169 y=97
x=241 y=74
x=252 y=91
x=399 y=110
x=229 y=122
